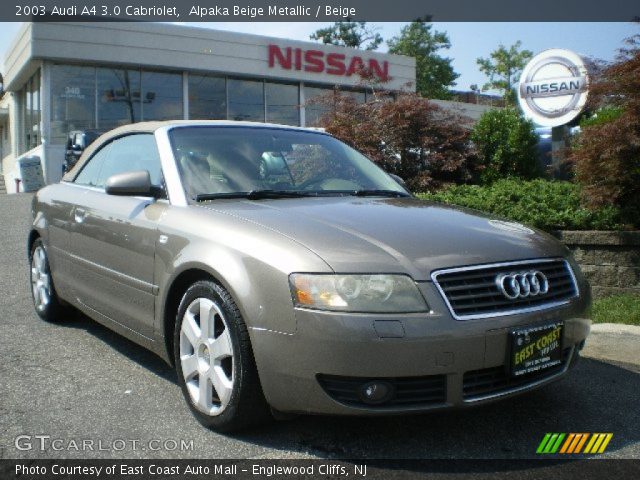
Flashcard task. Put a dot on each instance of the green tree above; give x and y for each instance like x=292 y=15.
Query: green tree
x=506 y=144
x=434 y=74
x=349 y=34
x=504 y=69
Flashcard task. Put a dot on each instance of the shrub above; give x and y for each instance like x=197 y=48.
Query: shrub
x=606 y=155
x=601 y=116
x=506 y=144
x=411 y=137
x=549 y=205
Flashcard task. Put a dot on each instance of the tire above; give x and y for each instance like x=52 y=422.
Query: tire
x=45 y=299
x=229 y=396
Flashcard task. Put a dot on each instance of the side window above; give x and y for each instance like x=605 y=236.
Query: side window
x=91 y=171
x=133 y=152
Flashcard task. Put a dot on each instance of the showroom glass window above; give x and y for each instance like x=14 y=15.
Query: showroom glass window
x=30 y=113
x=207 y=97
x=246 y=100
x=382 y=96
x=357 y=95
x=313 y=109
x=73 y=100
x=282 y=103
x=119 y=93
x=161 y=96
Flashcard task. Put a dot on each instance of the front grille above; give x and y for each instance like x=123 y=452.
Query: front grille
x=472 y=292
x=409 y=391
x=493 y=381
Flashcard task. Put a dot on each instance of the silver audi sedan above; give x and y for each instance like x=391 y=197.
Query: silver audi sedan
x=280 y=271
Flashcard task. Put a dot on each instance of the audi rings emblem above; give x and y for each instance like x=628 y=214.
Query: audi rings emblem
x=522 y=284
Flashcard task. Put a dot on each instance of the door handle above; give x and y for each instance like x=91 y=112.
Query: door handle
x=80 y=214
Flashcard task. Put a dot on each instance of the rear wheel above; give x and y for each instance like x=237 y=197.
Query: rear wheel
x=45 y=299
x=214 y=361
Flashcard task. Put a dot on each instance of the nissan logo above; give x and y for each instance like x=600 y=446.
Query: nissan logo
x=553 y=87
x=522 y=284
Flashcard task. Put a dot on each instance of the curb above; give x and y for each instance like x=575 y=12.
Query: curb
x=618 y=328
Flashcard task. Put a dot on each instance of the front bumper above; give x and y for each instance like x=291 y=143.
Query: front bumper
x=441 y=361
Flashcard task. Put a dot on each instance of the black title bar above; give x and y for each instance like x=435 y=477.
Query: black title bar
x=321 y=10
x=194 y=469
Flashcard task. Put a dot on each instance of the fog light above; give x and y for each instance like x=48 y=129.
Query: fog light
x=376 y=392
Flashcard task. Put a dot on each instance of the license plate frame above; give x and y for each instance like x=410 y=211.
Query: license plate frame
x=535 y=348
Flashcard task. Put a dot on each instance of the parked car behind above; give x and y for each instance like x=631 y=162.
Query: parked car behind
x=77 y=142
x=280 y=270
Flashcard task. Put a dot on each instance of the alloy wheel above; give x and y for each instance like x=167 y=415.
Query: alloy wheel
x=206 y=356
x=40 y=279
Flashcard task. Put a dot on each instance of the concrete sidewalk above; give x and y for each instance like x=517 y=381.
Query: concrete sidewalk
x=614 y=341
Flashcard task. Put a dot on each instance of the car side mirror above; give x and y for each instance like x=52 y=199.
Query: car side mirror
x=400 y=181
x=135 y=183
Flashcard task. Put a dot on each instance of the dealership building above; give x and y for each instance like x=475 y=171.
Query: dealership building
x=61 y=77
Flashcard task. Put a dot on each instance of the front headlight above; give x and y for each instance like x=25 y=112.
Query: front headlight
x=357 y=293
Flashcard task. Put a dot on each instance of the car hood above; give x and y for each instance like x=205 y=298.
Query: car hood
x=354 y=234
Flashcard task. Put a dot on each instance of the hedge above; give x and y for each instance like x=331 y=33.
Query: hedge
x=548 y=205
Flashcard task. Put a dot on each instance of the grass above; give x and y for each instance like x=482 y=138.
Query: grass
x=617 y=309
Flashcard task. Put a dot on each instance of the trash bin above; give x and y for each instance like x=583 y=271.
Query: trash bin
x=31 y=173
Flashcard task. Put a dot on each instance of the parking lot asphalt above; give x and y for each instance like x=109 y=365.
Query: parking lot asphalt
x=76 y=381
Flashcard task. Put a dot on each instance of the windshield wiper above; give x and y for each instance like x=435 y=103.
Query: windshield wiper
x=254 y=194
x=378 y=193
x=268 y=193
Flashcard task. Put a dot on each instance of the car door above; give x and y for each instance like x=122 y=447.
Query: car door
x=113 y=238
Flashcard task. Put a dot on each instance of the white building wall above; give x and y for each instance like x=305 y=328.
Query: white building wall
x=180 y=48
x=161 y=47
x=7 y=104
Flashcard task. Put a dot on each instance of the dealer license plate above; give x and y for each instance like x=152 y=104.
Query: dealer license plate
x=536 y=348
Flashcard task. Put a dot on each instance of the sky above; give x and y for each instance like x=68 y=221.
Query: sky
x=468 y=40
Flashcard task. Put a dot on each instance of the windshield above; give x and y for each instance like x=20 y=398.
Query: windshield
x=228 y=161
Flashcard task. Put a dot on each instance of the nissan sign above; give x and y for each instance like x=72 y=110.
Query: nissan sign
x=553 y=87
x=317 y=61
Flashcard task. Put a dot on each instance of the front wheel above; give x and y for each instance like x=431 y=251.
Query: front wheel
x=45 y=299
x=214 y=361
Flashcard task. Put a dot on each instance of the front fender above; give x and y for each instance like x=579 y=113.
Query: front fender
x=252 y=263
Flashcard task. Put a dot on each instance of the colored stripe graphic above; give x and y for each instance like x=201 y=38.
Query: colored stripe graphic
x=550 y=443
x=596 y=445
x=581 y=443
x=556 y=445
x=573 y=442
x=568 y=442
x=592 y=440
x=599 y=444
x=606 y=441
x=543 y=443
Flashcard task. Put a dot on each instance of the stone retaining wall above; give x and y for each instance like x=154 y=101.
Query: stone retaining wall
x=609 y=260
